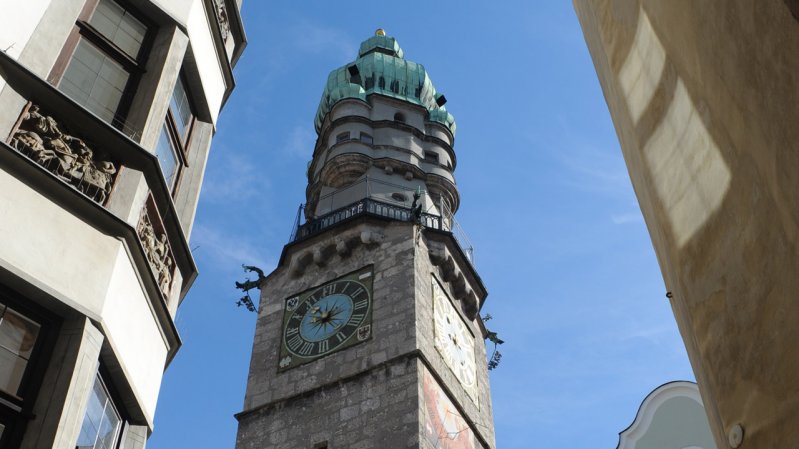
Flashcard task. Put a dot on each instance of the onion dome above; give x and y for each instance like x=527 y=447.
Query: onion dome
x=382 y=69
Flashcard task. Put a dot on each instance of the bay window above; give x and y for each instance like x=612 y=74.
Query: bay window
x=173 y=142
x=101 y=62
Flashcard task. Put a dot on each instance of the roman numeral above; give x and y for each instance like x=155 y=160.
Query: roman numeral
x=292 y=331
x=294 y=342
x=346 y=286
x=361 y=304
x=355 y=319
x=324 y=345
x=341 y=337
x=328 y=290
x=306 y=348
x=357 y=293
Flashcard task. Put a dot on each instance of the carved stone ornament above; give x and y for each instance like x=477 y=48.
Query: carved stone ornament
x=41 y=138
x=221 y=16
x=159 y=254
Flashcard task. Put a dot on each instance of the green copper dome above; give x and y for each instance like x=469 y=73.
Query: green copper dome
x=382 y=69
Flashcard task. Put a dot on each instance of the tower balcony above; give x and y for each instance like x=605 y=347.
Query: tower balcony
x=381 y=199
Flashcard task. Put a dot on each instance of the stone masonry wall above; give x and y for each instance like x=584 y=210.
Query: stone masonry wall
x=365 y=396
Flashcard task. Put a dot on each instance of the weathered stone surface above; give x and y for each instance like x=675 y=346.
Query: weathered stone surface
x=367 y=395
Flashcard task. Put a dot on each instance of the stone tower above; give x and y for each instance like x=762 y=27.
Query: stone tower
x=368 y=334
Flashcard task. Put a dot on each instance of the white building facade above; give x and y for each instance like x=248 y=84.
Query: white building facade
x=107 y=111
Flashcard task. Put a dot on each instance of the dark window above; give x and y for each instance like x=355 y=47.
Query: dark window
x=342 y=137
x=23 y=335
x=18 y=335
x=167 y=155
x=366 y=138
x=431 y=156
x=399 y=196
x=100 y=65
x=101 y=423
x=399 y=117
x=180 y=110
x=172 y=146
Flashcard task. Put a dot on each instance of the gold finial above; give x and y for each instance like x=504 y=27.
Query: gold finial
x=380 y=32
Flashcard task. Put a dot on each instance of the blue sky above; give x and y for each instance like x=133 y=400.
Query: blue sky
x=574 y=285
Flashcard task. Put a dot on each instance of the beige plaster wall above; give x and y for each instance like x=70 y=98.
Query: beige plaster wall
x=703 y=98
x=94 y=274
x=141 y=349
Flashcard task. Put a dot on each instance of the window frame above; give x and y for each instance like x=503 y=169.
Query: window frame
x=343 y=136
x=135 y=66
x=181 y=149
x=17 y=410
x=113 y=399
x=432 y=157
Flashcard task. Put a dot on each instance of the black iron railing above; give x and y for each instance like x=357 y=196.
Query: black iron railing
x=365 y=206
x=370 y=207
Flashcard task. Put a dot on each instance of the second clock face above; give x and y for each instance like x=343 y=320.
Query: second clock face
x=327 y=318
x=454 y=340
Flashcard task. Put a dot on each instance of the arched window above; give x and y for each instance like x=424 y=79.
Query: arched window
x=399 y=117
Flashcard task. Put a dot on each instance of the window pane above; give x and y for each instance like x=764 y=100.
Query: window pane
x=12 y=367
x=101 y=421
x=17 y=333
x=116 y=24
x=108 y=429
x=95 y=81
x=181 y=109
x=167 y=157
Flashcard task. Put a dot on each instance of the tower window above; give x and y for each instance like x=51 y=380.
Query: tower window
x=399 y=117
x=430 y=156
x=367 y=138
x=341 y=137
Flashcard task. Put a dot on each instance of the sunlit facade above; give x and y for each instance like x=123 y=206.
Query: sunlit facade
x=107 y=112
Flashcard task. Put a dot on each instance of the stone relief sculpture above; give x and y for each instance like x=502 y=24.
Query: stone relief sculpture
x=156 y=247
x=222 y=18
x=40 y=138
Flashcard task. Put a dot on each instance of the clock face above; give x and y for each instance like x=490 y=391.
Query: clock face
x=454 y=340
x=327 y=318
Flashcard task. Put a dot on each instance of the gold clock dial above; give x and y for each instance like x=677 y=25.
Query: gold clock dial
x=454 y=340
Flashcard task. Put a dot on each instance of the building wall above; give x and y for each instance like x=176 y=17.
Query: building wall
x=701 y=95
x=79 y=264
x=371 y=394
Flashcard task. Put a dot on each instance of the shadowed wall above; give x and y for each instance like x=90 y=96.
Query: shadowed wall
x=703 y=98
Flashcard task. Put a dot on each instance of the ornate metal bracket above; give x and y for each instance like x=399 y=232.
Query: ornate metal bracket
x=248 y=285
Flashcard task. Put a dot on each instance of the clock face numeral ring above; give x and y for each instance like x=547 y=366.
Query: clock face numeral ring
x=327 y=319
